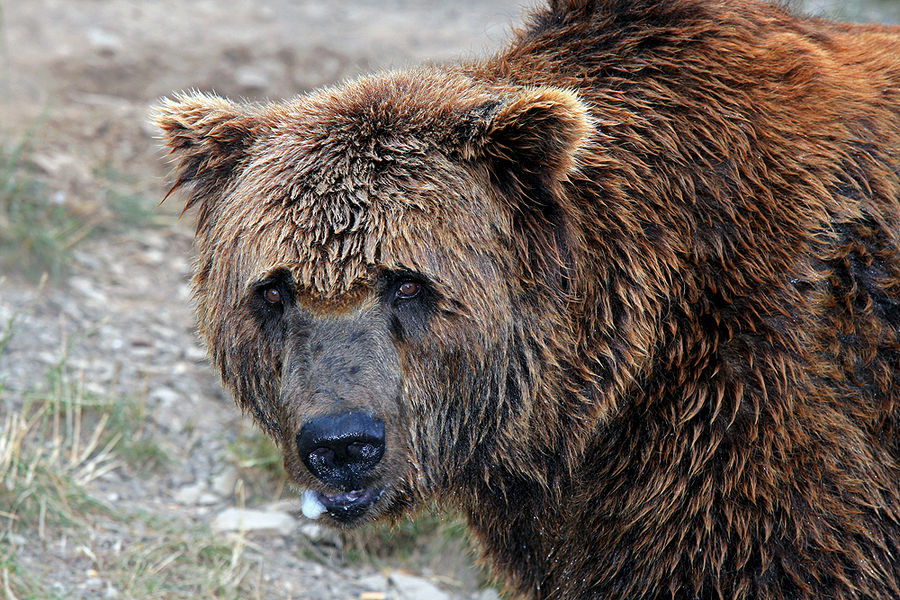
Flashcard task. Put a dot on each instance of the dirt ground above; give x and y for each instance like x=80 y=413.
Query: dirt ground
x=77 y=78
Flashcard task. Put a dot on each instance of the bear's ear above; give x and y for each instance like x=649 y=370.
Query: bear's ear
x=530 y=144
x=532 y=138
x=209 y=136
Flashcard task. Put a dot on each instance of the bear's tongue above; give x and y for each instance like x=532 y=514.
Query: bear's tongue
x=351 y=496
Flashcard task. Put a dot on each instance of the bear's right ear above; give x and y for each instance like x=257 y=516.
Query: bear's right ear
x=533 y=137
x=209 y=137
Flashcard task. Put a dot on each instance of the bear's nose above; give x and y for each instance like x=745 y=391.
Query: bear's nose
x=341 y=449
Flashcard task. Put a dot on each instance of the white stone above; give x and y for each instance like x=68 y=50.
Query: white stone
x=410 y=587
x=223 y=483
x=208 y=499
x=165 y=396
x=252 y=78
x=189 y=494
x=374 y=583
x=319 y=535
x=104 y=41
x=245 y=519
x=288 y=505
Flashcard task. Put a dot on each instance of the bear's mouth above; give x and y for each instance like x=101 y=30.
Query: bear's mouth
x=344 y=507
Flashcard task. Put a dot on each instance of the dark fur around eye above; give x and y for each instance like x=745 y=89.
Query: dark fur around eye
x=270 y=296
x=401 y=287
x=411 y=300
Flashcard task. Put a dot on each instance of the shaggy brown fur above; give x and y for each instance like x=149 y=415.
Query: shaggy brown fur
x=653 y=351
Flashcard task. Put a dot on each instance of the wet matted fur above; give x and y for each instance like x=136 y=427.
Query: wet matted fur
x=653 y=346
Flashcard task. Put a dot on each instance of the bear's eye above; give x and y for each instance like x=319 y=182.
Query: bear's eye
x=272 y=295
x=408 y=289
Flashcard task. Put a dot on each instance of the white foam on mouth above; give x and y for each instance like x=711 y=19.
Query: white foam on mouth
x=311 y=507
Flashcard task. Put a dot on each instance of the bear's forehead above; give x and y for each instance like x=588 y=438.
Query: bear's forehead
x=351 y=181
x=419 y=100
x=336 y=231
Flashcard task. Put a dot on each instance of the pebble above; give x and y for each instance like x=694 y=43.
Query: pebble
x=87 y=288
x=288 y=505
x=154 y=257
x=252 y=78
x=189 y=494
x=245 y=519
x=319 y=535
x=374 y=583
x=165 y=396
x=92 y=584
x=208 y=499
x=103 y=41
x=223 y=483
x=410 y=587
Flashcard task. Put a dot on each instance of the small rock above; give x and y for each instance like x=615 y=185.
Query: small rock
x=104 y=41
x=410 y=587
x=169 y=403
x=319 y=535
x=153 y=257
x=374 y=583
x=223 y=483
x=88 y=288
x=165 y=396
x=288 y=505
x=110 y=592
x=252 y=78
x=48 y=358
x=189 y=494
x=244 y=519
x=208 y=499
x=155 y=240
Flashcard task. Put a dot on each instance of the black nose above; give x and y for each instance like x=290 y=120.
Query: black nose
x=341 y=449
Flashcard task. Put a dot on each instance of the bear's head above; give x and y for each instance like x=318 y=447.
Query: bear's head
x=384 y=277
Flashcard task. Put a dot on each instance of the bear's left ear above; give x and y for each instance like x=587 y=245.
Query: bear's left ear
x=209 y=137
x=532 y=138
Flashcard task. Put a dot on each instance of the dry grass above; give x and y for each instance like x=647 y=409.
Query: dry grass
x=57 y=540
x=39 y=228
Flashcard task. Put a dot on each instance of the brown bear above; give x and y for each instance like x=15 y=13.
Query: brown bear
x=627 y=294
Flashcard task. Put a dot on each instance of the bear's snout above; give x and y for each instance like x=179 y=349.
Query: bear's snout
x=341 y=450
